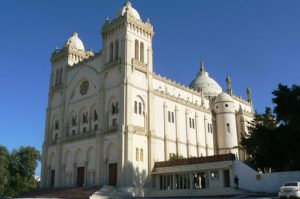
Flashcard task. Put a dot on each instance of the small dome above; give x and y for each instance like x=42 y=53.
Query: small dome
x=223 y=97
x=75 y=42
x=203 y=82
x=130 y=10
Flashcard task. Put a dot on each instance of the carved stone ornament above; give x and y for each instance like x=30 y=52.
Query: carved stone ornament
x=84 y=87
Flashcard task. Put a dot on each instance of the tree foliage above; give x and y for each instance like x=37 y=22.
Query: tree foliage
x=19 y=167
x=174 y=156
x=4 y=173
x=272 y=143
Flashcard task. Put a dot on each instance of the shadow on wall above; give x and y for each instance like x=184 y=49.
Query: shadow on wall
x=137 y=179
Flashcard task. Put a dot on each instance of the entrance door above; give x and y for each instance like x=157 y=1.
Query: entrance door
x=52 y=178
x=80 y=176
x=226 y=178
x=112 y=174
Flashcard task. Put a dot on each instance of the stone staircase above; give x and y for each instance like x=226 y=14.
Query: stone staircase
x=109 y=192
x=65 y=193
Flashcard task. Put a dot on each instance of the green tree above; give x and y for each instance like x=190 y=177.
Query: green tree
x=272 y=143
x=287 y=107
x=22 y=164
x=4 y=173
x=174 y=156
x=259 y=144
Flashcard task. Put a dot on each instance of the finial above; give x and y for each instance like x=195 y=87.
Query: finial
x=248 y=91
x=148 y=20
x=75 y=34
x=127 y=5
x=228 y=83
x=228 y=79
x=107 y=19
x=202 y=68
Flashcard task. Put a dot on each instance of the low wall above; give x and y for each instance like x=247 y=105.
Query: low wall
x=266 y=182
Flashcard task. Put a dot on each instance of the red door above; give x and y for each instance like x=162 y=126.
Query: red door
x=112 y=174
x=52 y=178
x=80 y=176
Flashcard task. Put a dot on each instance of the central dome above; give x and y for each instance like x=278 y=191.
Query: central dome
x=75 y=42
x=203 y=82
x=130 y=10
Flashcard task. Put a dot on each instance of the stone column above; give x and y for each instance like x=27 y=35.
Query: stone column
x=75 y=174
x=85 y=174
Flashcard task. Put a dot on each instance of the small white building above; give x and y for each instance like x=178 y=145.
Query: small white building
x=110 y=117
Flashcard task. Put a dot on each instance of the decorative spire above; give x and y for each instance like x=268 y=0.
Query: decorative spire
x=248 y=91
x=202 y=68
x=127 y=5
x=228 y=82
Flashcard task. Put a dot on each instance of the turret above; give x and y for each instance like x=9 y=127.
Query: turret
x=71 y=53
x=226 y=124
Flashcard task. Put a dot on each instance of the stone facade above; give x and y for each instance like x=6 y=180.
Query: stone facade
x=110 y=117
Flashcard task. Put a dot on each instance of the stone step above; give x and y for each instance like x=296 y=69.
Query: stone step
x=67 y=193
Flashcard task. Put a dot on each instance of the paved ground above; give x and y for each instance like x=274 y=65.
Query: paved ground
x=252 y=196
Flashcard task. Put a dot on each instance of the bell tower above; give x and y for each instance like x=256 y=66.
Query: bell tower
x=128 y=40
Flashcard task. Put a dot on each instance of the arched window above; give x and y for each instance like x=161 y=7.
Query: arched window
x=111 y=51
x=114 y=108
x=60 y=76
x=56 y=77
x=95 y=115
x=141 y=155
x=136 y=49
x=135 y=107
x=173 y=117
x=116 y=49
x=140 y=108
x=142 y=52
x=137 y=154
x=228 y=127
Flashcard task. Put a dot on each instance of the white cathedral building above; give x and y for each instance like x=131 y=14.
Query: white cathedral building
x=110 y=118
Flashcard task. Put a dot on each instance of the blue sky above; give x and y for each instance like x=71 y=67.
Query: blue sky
x=256 y=42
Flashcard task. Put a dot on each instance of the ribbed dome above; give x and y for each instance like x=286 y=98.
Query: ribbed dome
x=75 y=42
x=223 y=97
x=130 y=10
x=203 y=82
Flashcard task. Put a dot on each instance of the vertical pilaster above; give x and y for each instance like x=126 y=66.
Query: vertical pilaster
x=166 y=131
x=176 y=129
x=197 y=132
x=205 y=135
x=187 y=133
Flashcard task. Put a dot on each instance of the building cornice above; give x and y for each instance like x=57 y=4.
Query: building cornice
x=182 y=101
